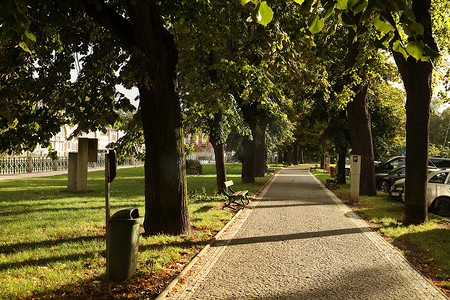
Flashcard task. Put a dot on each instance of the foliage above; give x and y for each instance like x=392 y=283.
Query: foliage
x=387 y=108
x=132 y=143
x=38 y=91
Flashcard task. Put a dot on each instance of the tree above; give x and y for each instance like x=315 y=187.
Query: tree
x=129 y=36
x=416 y=71
x=406 y=28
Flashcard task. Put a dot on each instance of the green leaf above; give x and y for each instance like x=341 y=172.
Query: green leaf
x=360 y=6
x=346 y=20
x=29 y=35
x=317 y=24
x=24 y=47
x=397 y=47
x=342 y=4
x=415 y=49
x=395 y=5
x=382 y=25
x=416 y=28
x=351 y=3
x=407 y=31
x=428 y=52
x=265 y=14
x=367 y=13
x=328 y=9
x=299 y=1
x=244 y=2
x=379 y=5
x=408 y=14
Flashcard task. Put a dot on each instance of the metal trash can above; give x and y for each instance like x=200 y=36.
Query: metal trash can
x=123 y=244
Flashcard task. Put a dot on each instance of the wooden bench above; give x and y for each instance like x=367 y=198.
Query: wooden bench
x=269 y=170
x=331 y=184
x=234 y=196
x=313 y=169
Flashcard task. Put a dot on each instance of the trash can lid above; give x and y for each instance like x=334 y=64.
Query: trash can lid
x=126 y=214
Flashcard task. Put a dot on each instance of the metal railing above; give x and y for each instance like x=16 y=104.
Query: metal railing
x=28 y=164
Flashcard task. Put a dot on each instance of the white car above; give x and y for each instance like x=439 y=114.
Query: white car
x=438 y=191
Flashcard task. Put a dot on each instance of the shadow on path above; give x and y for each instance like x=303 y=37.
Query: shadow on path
x=285 y=237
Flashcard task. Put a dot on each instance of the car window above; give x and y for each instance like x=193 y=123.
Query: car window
x=438 y=178
x=397 y=162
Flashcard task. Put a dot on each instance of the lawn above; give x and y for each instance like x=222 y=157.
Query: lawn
x=52 y=242
x=427 y=245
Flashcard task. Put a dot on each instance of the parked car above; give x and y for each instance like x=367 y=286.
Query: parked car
x=390 y=164
x=397 y=187
x=398 y=161
x=438 y=191
x=384 y=181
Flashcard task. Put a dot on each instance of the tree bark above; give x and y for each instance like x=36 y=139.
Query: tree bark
x=248 y=160
x=359 y=121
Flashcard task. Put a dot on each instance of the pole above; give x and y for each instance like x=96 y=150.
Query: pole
x=108 y=207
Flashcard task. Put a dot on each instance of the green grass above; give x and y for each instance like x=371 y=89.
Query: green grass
x=432 y=237
x=52 y=241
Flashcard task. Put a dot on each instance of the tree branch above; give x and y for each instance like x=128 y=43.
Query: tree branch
x=109 y=18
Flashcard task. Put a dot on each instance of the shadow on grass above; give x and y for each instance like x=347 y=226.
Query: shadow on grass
x=12 y=248
x=25 y=209
x=185 y=244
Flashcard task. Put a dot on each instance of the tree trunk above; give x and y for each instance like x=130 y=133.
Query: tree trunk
x=248 y=160
x=340 y=175
x=221 y=171
x=302 y=159
x=359 y=121
x=418 y=93
x=259 y=137
x=216 y=138
x=295 y=155
x=361 y=137
x=166 y=209
x=417 y=77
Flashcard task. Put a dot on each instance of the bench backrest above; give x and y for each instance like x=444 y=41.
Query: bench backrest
x=228 y=183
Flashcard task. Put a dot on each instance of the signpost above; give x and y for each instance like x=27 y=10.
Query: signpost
x=110 y=174
x=355 y=173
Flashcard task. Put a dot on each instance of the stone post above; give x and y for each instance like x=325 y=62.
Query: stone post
x=82 y=164
x=29 y=164
x=72 y=172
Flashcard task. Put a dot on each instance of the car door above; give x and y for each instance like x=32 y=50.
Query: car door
x=437 y=186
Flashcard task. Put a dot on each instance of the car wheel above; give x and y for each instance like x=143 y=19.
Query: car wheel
x=385 y=186
x=442 y=207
